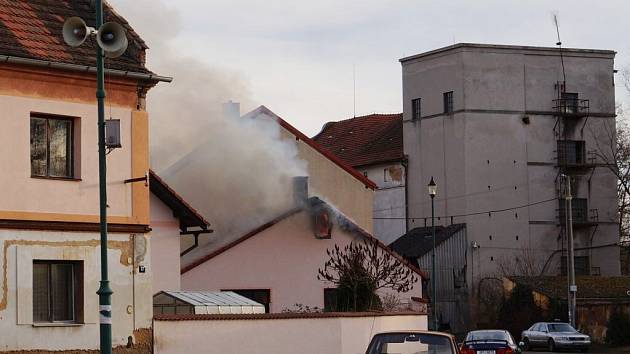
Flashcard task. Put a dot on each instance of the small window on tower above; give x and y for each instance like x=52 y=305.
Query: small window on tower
x=416 y=108
x=448 y=102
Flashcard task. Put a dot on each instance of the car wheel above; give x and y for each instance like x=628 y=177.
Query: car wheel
x=551 y=346
x=527 y=346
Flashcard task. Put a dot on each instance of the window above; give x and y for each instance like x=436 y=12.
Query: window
x=330 y=300
x=57 y=291
x=416 y=109
x=261 y=296
x=448 y=102
x=52 y=147
x=569 y=102
x=571 y=152
x=582 y=265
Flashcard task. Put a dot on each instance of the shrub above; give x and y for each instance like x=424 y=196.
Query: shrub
x=618 y=332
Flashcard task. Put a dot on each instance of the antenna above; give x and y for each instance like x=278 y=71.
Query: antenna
x=559 y=44
x=354 y=90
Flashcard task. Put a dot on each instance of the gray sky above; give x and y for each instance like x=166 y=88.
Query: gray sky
x=297 y=57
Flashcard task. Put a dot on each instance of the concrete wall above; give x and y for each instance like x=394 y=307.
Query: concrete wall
x=284 y=258
x=165 y=250
x=389 y=200
x=131 y=301
x=344 y=335
x=483 y=157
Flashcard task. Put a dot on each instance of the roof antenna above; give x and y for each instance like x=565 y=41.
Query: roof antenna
x=559 y=44
x=354 y=90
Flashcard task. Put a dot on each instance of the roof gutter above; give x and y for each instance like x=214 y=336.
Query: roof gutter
x=82 y=68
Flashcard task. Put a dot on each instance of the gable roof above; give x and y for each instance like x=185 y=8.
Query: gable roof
x=589 y=287
x=365 y=140
x=187 y=215
x=417 y=242
x=32 y=29
x=314 y=202
x=310 y=142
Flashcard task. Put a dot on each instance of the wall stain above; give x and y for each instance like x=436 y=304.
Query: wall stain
x=125 y=248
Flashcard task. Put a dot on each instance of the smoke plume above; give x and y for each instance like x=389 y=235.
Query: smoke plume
x=236 y=172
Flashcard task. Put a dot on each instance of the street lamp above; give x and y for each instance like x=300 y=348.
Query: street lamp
x=432 y=192
x=112 y=42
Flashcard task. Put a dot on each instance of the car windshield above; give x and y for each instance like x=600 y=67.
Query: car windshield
x=560 y=327
x=410 y=343
x=488 y=335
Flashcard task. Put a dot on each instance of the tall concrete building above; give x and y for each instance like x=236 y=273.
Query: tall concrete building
x=496 y=126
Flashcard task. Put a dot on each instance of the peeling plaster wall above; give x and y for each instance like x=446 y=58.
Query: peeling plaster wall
x=19 y=248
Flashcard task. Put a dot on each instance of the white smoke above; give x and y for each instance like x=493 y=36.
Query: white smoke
x=236 y=172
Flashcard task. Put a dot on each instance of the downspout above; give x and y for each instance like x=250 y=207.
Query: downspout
x=195 y=245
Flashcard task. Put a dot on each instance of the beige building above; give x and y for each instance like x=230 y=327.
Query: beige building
x=49 y=209
x=496 y=126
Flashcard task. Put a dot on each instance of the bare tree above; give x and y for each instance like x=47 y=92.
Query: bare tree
x=362 y=268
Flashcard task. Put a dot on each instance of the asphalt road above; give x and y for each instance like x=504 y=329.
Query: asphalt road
x=541 y=352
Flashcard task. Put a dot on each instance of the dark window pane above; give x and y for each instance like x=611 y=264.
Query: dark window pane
x=60 y=148
x=416 y=109
x=448 y=102
x=41 y=294
x=38 y=147
x=330 y=300
x=62 y=289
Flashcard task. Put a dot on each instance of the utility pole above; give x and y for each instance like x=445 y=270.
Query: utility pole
x=570 y=250
x=104 y=292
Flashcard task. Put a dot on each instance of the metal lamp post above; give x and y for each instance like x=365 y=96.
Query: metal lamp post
x=112 y=42
x=432 y=192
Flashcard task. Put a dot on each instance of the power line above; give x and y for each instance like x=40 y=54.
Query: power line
x=475 y=213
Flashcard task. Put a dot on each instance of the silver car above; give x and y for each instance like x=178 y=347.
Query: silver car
x=554 y=335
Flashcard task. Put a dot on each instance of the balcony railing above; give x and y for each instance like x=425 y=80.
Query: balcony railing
x=571 y=106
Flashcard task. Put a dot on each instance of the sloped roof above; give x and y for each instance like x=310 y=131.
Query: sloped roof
x=187 y=215
x=365 y=140
x=32 y=29
x=312 y=143
x=417 y=242
x=589 y=287
x=314 y=202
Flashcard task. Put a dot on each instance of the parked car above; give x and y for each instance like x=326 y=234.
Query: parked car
x=491 y=341
x=412 y=342
x=555 y=335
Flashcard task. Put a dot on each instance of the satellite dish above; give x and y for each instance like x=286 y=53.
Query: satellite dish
x=112 y=38
x=75 y=31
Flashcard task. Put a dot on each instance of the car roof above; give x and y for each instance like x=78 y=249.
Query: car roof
x=418 y=332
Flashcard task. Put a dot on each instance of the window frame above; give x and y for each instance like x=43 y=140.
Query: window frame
x=448 y=102
x=71 y=148
x=76 y=286
x=416 y=108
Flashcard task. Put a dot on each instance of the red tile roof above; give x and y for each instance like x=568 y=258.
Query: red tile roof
x=32 y=29
x=312 y=143
x=365 y=140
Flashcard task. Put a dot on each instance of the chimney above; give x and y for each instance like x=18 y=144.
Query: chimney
x=231 y=110
x=300 y=190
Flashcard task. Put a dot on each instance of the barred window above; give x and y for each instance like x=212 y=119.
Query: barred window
x=416 y=108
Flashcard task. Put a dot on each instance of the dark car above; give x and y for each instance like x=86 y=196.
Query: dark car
x=412 y=342
x=555 y=335
x=492 y=341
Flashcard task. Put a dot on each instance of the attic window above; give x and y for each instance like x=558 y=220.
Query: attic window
x=323 y=225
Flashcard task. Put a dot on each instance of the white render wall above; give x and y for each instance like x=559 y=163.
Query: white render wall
x=343 y=335
x=131 y=302
x=389 y=200
x=483 y=157
x=165 y=242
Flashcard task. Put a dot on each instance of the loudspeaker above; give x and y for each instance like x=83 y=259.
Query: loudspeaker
x=112 y=38
x=75 y=31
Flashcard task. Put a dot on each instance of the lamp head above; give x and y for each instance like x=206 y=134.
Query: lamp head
x=432 y=188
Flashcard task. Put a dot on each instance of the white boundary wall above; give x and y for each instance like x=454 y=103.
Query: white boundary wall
x=277 y=333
